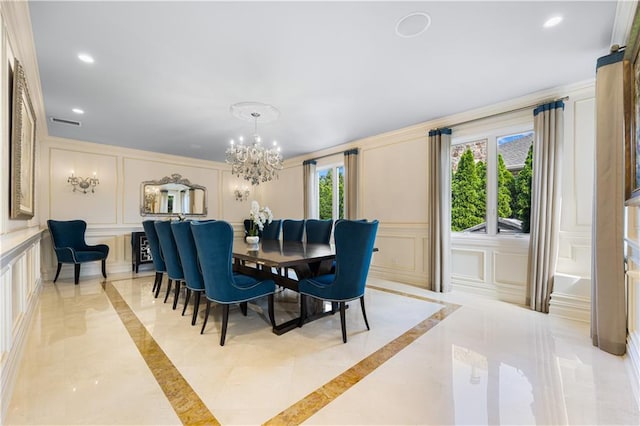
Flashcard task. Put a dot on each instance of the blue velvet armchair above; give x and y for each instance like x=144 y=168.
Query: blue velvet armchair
x=214 y=244
x=354 y=248
x=70 y=246
x=156 y=255
x=271 y=231
x=171 y=259
x=189 y=260
x=318 y=231
x=292 y=230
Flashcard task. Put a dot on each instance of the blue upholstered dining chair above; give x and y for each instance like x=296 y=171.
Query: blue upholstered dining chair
x=214 y=243
x=354 y=248
x=318 y=231
x=189 y=261
x=171 y=258
x=70 y=246
x=156 y=255
x=271 y=231
x=292 y=230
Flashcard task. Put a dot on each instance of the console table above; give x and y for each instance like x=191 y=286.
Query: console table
x=140 y=252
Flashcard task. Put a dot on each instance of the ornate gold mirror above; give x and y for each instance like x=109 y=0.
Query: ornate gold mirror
x=172 y=196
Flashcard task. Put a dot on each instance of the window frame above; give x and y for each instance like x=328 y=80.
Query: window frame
x=335 y=204
x=491 y=131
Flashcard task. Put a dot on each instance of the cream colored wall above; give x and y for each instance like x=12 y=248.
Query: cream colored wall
x=113 y=211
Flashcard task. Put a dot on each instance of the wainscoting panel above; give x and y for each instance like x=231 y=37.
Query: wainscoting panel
x=20 y=281
x=401 y=253
x=64 y=204
x=468 y=265
x=490 y=267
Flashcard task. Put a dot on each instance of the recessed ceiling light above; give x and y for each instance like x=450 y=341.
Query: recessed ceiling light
x=413 y=24
x=77 y=111
x=552 y=22
x=86 y=58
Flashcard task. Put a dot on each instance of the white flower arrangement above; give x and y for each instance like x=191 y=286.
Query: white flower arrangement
x=259 y=217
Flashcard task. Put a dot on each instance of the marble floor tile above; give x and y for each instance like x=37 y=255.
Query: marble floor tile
x=110 y=353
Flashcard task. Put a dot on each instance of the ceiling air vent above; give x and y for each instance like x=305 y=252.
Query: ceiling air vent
x=65 y=121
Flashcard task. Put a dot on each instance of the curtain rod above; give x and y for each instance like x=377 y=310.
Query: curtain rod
x=564 y=98
x=330 y=155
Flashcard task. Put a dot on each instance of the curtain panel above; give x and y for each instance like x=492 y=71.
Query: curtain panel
x=548 y=126
x=439 y=209
x=351 y=184
x=309 y=188
x=608 y=319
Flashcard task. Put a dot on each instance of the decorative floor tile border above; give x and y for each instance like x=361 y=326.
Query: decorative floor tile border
x=184 y=400
x=190 y=408
x=316 y=400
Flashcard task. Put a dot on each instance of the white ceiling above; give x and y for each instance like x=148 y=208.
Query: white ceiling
x=166 y=73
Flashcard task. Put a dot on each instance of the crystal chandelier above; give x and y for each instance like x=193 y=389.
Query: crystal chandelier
x=254 y=162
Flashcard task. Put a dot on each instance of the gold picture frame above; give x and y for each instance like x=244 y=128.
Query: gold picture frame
x=22 y=147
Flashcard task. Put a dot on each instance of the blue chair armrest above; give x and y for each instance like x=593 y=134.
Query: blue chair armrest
x=101 y=248
x=66 y=255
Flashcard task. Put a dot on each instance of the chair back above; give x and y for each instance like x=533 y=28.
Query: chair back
x=169 y=250
x=188 y=255
x=318 y=231
x=354 y=248
x=271 y=231
x=214 y=244
x=68 y=233
x=292 y=230
x=154 y=245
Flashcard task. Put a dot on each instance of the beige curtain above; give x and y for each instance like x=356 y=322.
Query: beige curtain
x=309 y=188
x=439 y=209
x=548 y=126
x=608 y=320
x=351 y=184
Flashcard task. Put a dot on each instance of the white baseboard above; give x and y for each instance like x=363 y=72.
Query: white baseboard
x=570 y=306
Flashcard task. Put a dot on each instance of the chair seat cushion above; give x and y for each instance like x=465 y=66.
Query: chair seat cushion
x=88 y=256
x=321 y=287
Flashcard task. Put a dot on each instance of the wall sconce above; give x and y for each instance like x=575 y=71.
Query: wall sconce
x=241 y=194
x=84 y=184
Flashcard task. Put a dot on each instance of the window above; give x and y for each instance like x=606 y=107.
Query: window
x=491 y=183
x=331 y=192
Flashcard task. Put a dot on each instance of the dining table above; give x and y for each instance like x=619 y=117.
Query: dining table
x=268 y=259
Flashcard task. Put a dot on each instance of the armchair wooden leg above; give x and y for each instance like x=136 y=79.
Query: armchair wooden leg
x=104 y=268
x=159 y=276
x=186 y=301
x=166 y=296
x=343 y=322
x=206 y=316
x=243 y=308
x=364 y=312
x=177 y=293
x=156 y=282
x=57 y=272
x=225 y=322
x=196 y=304
x=76 y=273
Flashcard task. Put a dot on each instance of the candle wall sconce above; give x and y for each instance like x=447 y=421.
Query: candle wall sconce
x=83 y=185
x=241 y=193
